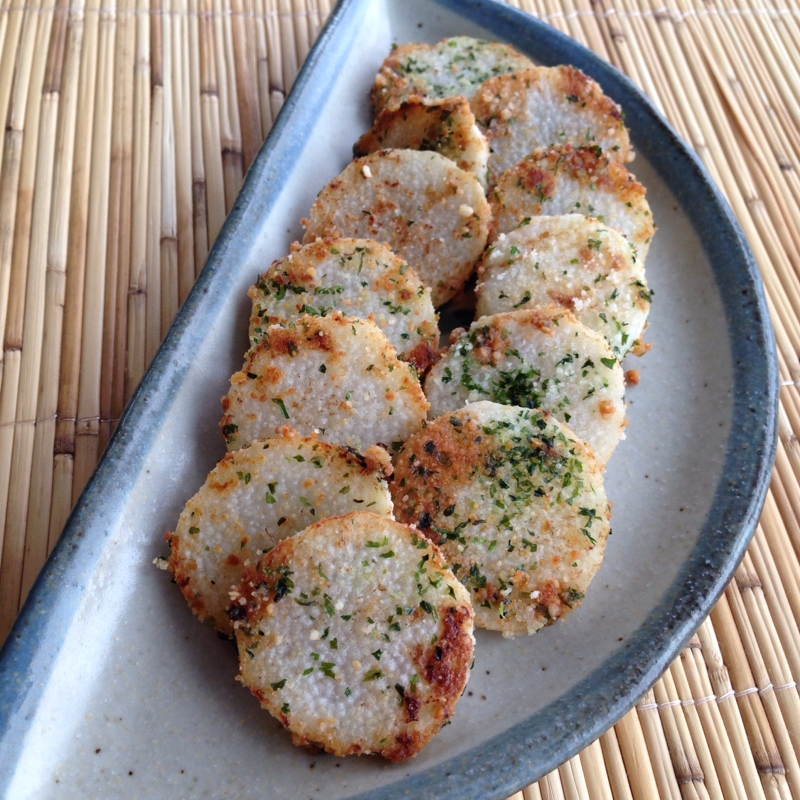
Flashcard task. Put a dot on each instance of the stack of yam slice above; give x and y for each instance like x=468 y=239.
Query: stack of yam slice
x=383 y=493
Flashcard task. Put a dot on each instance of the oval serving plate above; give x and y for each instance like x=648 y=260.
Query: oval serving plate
x=108 y=685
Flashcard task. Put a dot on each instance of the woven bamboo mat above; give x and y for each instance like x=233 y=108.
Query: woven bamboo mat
x=129 y=126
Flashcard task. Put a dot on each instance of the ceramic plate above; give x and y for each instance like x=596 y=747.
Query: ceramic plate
x=109 y=687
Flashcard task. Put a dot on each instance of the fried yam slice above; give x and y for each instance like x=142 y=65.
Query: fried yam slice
x=356 y=636
x=453 y=66
x=360 y=278
x=541 y=358
x=575 y=262
x=337 y=376
x=446 y=126
x=428 y=211
x=546 y=106
x=516 y=502
x=568 y=180
x=257 y=496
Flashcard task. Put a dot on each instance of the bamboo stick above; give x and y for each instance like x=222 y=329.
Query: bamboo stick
x=637 y=761
x=137 y=291
x=617 y=774
x=656 y=742
x=750 y=760
x=775 y=596
x=231 y=132
x=594 y=768
x=691 y=729
x=12 y=181
x=168 y=242
x=622 y=47
x=64 y=448
x=244 y=59
x=212 y=138
x=313 y=21
x=689 y=86
x=573 y=781
x=768 y=663
x=87 y=427
x=41 y=492
x=277 y=82
x=550 y=786
x=25 y=293
x=684 y=759
x=288 y=44
x=154 y=307
x=652 y=68
x=262 y=67
x=769 y=757
x=112 y=388
x=532 y=792
x=199 y=199
x=593 y=30
x=11 y=36
x=123 y=154
x=698 y=689
x=182 y=117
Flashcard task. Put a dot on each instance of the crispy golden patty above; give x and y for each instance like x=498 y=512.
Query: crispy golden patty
x=568 y=180
x=541 y=358
x=576 y=262
x=454 y=66
x=257 y=496
x=446 y=126
x=360 y=278
x=356 y=636
x=335 y=375
x=430 y=212
x=516 y=502
x=545 y=106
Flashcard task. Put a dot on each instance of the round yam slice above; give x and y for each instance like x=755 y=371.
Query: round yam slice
x=431 y=213
x=446 y=126
x=257 y=496
x=575 y=262
x=545 y=106
x=337 y=376
x=356 y=636
x=454 y=66
x=567 y=180
x=541 y=358
x=359 y=277
x=517 y=504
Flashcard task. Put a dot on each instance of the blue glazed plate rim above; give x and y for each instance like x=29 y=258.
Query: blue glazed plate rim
x=503 y=764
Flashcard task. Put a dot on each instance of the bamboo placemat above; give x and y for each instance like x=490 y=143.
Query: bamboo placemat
x=129 y=127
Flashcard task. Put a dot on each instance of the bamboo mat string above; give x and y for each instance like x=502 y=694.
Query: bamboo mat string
x=106 y=219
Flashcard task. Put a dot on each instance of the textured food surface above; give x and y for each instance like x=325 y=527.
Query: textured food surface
x=541 y=358
x=454 y=66
x=576 y=262
x=356 y=636
x=257 y=496
x=425 y=208
x=446 y=126
x=545 y=106
x=335 y=375
x=359 y=277
x=517 y=504
x=566 y=180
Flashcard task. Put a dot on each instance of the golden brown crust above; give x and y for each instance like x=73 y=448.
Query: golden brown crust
x=533 y=187
x=516 y=505
x=430 y=212
x=576 y=112
x=453 y=66
x=390 y=700
x=446 y=126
